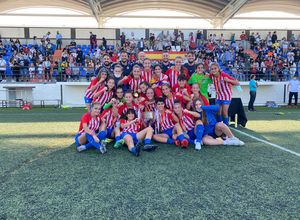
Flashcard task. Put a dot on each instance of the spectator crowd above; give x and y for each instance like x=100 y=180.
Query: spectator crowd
x=269 y=58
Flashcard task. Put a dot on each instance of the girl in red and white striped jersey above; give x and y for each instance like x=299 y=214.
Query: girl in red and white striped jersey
x=109 y=117
x=89 y=125
x=174 y=71
x=165 y=123
x=95 y=84
x=169 y=97
x=133 y=80
x=132 y=133
x=147 y=71
x=129 y=103
x=158 y=79
x=149 y=107
x=105 y=93
x=142 y=91
x=223 y=85
x=196 y=95
x=183 y=90
x=192 y=128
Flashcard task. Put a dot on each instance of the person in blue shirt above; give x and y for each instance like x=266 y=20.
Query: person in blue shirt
x=252 y=88
x=212 y=128
x=58 y=41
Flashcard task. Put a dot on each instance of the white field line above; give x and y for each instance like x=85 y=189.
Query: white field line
x=267 y=142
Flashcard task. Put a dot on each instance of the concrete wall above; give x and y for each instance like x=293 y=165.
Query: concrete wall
x=40 y=32
x=85 y=33
x=110 y=33
x=73 y=93
x=12 y=32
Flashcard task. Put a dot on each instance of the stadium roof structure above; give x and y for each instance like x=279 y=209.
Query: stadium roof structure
x=218 y=12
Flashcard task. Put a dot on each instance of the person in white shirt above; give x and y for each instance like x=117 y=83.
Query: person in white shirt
x=2 y=69
x=293 y=88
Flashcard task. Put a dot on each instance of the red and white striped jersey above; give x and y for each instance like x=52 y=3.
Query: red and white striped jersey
x=223 y=89
x=187 y=121
x=169 y=102
x=104 y=97
x=149 y=106
x=173 y=75
x=108 y=117
x=92 y=123
x=166 y=120
x=133 y=128
x=147 y=75
x=88 y=92
x=123 y=109
x=134 y=84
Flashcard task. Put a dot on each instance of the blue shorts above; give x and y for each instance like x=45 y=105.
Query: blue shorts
x=168 y=132
x=76 y=140
x=109 y=132
x=191 y=134
x=223 y=102
x=87 y=100
x=210 y=131
x=133 y=135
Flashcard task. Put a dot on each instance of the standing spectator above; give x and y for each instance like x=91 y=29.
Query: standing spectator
x=46 y=36
x=58 y=40
x=252 y=88
x=269 y=67
x=293 y=88
x=123 y=39
x=152 y=41
x=15 y=68
x=199 y=38
x=141 y=45
x=192 y=44
x=47 y=68
x=35 y=43
x=232 y=38
x=274 y=37
x=2 y=69
x=243 y=38
x=93 y=41
x=104 y=43
x=79 y=56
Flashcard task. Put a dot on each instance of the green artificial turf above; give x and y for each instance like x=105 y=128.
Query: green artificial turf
x=43 y=177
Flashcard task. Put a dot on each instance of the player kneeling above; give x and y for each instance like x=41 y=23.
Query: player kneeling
x=132 y=134
x=214 y=129
x=89 y=125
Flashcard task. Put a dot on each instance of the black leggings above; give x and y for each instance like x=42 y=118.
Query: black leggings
x=252 y=99
x=291 y=94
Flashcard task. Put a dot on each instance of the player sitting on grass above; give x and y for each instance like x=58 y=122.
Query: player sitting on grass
x=192 y=128
x=109 y=127
x=165 y=122
x=212 y=128
x=89 y=124
x=132 y=134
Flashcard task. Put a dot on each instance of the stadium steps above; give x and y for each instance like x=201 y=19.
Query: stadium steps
x=57 y=55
